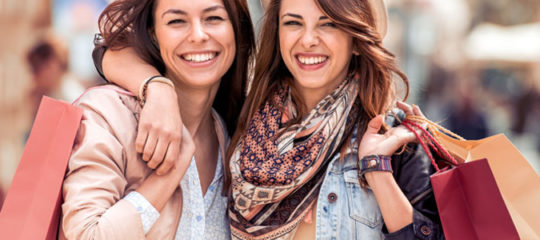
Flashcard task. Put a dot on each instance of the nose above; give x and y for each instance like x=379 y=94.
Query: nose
x=198 y=33
x=310 y=38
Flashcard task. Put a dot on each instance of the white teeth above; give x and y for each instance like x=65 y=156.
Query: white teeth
x=199 y=57
x=311 y=60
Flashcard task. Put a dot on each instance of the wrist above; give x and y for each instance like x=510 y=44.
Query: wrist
x=375 y=176
x=373 y=165
x=143 y=89
x=159 y=89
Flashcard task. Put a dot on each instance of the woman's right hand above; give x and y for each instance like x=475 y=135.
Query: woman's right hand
x=160 y=133
x=373 y=143
x=158 y=189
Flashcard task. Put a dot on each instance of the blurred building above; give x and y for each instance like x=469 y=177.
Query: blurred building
x=26 y=24
x=473 y=65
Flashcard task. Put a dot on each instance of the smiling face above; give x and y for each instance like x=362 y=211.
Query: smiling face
x=315 y=51
x=196 y=41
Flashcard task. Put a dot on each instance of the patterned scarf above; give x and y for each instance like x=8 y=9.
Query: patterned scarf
x=275 y=181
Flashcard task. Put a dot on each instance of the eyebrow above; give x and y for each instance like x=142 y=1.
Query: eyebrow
x=182 y=12
x=174 y=11
x=214 y=8
x=300 y=17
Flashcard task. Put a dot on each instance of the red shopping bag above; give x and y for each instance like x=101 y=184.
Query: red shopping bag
x=468 y=199
x=518 y=183
x=470 y=204
x=32 y=206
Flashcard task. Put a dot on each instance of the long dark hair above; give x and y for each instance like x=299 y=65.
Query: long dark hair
x=131 y=23
x=375 y=66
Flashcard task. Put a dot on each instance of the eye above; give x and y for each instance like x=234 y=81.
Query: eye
x=292 y=23
x=329 y=24
x=214 y=19
x=175 y=21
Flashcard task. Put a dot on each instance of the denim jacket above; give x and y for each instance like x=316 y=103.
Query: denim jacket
x=345 y=210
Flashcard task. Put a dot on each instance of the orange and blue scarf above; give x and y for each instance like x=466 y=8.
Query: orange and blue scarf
x=277 y=170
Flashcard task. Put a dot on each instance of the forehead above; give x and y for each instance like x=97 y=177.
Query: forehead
x=186 y=5
x=300 y=7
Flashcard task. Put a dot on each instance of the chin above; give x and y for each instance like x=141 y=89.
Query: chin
x=203 y=82
x=311 y=82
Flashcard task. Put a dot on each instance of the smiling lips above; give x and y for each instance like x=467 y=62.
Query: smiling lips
x=200 y=59
x=311 y=61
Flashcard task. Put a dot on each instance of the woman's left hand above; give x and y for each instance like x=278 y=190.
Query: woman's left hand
x=373 y=143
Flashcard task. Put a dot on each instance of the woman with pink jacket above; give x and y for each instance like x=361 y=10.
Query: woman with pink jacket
x=110 y=190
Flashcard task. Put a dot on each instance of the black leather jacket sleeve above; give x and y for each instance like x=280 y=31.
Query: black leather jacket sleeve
x=97 y=54
x=412 y=170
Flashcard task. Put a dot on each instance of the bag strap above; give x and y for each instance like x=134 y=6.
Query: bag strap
x=428 y=143
x=434 y=126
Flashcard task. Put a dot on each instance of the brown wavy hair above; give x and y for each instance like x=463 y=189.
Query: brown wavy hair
x=374 y=65
x=130 y=23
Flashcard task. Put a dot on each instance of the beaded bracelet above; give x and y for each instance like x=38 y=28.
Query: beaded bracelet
x=144 y=86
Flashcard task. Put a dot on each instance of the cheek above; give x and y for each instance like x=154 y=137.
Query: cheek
x=231 y=41
x=164 y=40
x=285 y=46
x=342 y=48
x=225 y=35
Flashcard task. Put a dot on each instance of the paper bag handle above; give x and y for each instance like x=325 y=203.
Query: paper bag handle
x=427 y=139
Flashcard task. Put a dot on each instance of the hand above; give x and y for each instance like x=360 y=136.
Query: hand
x=373 y=143
x=160 y=128
x=187 y=149
x=158 y=189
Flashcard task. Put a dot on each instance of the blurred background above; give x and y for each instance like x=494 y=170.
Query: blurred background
x=473 y=65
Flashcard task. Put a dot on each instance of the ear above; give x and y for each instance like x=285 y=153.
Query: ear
x=355 y=48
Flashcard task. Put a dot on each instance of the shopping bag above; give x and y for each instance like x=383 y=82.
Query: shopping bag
x=32 y=206
x=468 y=199
x=518 y=182
x=470 y=204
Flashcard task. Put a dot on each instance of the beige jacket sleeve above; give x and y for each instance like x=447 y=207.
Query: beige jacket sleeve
x=96 y=179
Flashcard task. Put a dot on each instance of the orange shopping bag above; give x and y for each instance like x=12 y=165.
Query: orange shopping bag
x=469 y=202
x=518 y=182
x=32 y=206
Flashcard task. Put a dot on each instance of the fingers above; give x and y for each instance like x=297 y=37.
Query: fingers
x=142 y=135
x=374 y=125
x=405 y=107
x=409 y=110
x=401 y=136
x=149 y=147
x=159 y=152
x=170 y=156
x=417 y=111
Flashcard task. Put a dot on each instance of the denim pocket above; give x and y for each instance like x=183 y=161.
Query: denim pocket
x=363 y=206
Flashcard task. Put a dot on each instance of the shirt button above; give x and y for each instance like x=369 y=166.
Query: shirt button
x=332 y=197
x=425 y=230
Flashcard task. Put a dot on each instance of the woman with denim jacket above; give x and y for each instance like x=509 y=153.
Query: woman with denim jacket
x=311 y=157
